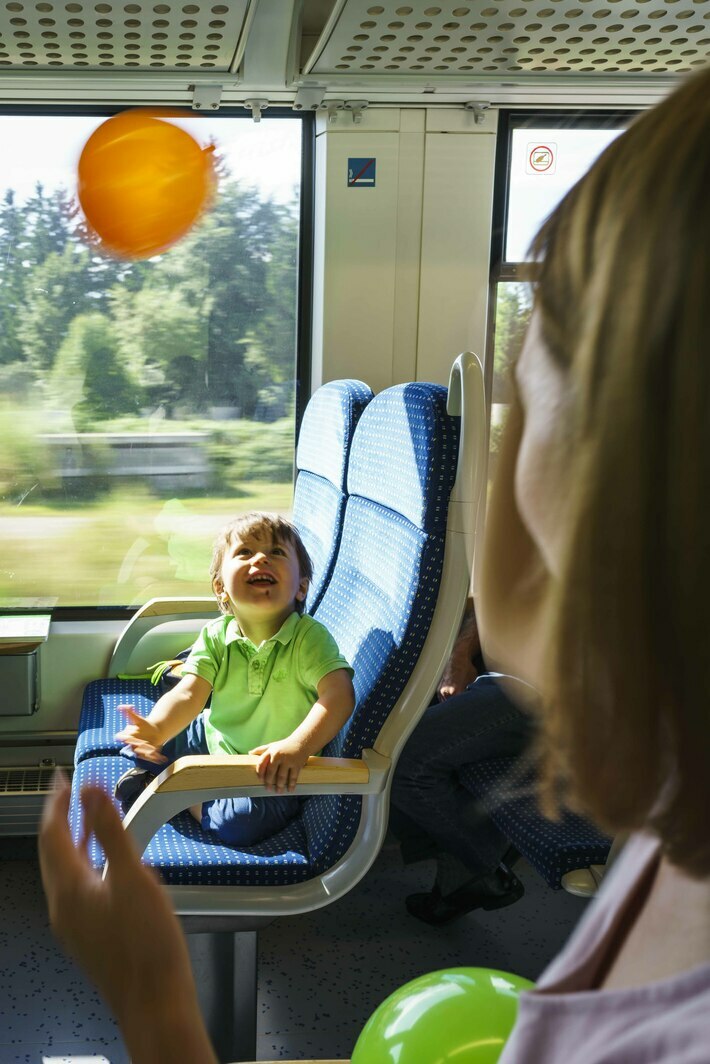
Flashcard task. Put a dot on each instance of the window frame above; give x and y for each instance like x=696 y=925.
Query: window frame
x=304 y=282
x=502 y=270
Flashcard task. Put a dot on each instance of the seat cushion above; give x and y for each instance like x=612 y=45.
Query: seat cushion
x=507 y=791
x=183 y=854
x=327 y=428
x=318 y=509
x=322 y=458
x=100 y=719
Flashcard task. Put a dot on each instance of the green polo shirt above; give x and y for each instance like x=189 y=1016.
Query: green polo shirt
x=260 y=694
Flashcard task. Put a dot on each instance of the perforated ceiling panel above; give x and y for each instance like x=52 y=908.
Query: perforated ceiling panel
x=122 y=35
x=509 y=37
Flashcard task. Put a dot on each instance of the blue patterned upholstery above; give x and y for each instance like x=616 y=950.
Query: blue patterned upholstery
x=322 y=463
x=185 y=854
x=100 y=719
x=506 y=789
x=381 y=596
x=378 y=605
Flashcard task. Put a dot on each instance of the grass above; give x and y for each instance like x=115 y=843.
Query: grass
x=119 y=550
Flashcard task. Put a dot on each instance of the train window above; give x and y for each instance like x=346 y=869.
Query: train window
x=145 y=402
x=540 y=157
x=544 y=165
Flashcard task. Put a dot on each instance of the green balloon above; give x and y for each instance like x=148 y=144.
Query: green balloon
x=459 y=1015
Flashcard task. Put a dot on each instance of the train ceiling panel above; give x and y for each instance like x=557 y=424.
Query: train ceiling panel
x=508 y=38
x=122 y=36
x=309 y=52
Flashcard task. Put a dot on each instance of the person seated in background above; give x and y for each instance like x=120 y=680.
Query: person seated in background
x=595 y=590
x=431 y=812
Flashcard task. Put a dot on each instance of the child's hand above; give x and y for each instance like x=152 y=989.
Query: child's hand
x=279 y=764
x=142 y=735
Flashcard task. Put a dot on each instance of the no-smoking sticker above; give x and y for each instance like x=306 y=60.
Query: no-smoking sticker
x=541 y=158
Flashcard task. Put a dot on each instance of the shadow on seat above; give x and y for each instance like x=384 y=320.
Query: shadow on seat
x=393 y=604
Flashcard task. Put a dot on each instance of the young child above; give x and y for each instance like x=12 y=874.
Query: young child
x=280 y=687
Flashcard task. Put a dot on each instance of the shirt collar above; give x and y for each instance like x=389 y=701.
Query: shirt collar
x=284 y=635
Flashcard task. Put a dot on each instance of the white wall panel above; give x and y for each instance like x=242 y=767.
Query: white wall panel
x=455 y=260
x=401 y=274
x=409 y=244
x=357 y=257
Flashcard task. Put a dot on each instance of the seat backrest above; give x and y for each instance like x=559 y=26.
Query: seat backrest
x=322 y=456
x=381 y=597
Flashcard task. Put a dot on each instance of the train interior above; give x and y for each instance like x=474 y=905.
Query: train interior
x=382 y=169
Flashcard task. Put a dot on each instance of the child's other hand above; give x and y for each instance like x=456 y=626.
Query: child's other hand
x=279 y=764
x=144 y=737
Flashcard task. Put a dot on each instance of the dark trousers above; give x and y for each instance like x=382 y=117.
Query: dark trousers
x=431 y=812
x=237 y=821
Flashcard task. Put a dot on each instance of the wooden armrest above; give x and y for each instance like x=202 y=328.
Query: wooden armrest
x=211 y=771
x=194 y=778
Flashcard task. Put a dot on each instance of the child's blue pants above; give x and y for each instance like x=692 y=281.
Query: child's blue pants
x=237 y=821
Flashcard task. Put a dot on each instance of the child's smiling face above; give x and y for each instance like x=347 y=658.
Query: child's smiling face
x=262 y=579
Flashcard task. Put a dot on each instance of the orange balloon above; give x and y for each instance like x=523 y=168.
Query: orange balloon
x=143 y=183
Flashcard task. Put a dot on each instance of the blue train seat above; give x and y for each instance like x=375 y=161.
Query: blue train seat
x=322 y=457
x=565 y=852
x=403 y=564
x=394 y=604
x=379 y=606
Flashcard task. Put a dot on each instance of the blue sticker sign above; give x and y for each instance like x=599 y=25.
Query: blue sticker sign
x=361 y=173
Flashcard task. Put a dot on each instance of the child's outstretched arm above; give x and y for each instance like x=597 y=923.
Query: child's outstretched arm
x=169 y=715
x=280 y=762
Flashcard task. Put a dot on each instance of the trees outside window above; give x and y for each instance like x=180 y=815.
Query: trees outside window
x=129 y=382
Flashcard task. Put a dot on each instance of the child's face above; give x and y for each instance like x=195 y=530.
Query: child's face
x=261 y=578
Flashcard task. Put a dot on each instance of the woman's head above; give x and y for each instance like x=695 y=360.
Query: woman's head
x=597 y=572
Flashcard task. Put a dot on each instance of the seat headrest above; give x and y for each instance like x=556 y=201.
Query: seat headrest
x=327 y=427
x=404 y=451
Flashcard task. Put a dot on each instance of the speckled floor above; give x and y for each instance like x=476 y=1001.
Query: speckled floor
x=320 y=976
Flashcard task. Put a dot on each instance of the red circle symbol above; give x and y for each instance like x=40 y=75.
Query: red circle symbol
x=541 y=158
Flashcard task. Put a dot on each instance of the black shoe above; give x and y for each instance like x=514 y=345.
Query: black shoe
x=511 y=857
x=131 y=784
x=493 y=891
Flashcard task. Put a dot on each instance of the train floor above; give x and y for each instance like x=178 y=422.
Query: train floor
x=320 y=975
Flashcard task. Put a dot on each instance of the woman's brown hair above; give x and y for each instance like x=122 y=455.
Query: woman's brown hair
x=624 y=303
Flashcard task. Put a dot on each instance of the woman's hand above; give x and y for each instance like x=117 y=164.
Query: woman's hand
x=145 y=737
x=121 y=929
x=280 y=763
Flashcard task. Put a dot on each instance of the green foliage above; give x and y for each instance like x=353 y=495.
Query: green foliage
x=210 y=323
x=25 y=463
x=90 y=380
x=512 y=315
x=163 y=339
x=239 y=454
x=12 y=248
x=55 y=293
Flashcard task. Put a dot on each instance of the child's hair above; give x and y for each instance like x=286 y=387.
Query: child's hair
x=262 y=526
x=623 y=301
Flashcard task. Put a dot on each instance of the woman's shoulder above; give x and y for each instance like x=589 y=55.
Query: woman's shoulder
x=596 y=931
